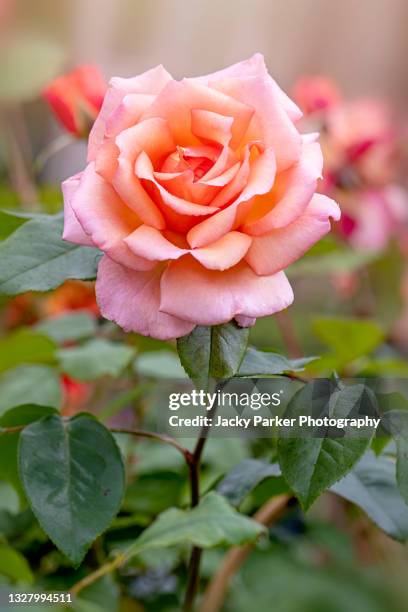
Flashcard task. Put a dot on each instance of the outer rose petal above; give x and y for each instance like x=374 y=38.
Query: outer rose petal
x=150 y=82
x=224 y=253
x=278 y=249
x=131 y=299
x=210 y=297
x=73 y=231
x=106 y=219
x=254 y=66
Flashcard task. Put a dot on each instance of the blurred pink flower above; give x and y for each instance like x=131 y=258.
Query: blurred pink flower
x=372 y=216
x=76 y=98
x=362 y=162
x=316 y=93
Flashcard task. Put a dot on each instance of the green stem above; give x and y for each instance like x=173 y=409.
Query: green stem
x=194 y=464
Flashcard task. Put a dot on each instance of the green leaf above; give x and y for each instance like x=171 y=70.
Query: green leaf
x=371 y=485
x=73 y=476
x=159 y=364
x=348 y=339
x=35 y=258
x=30 y=384
x=21 y=415
x=213 y=523
x=69 y=327
x=396 y=422
x=28 y=62
x=213 y=352
x=94 y=359
x=25 y=346
x=309 y=463
x=263 y=363
x=14 y=565
x=244 y=477
x=10 y=220
x=25 y=414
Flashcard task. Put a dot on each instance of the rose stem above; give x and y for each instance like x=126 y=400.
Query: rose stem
x=194 y=468
x=216 y=590
x=287 y=330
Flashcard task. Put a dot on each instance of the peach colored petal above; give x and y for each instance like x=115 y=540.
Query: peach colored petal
x=290 y=195
x=275 y=251
x=73 y=231
x=151 y=244
x=225 y=252
x=106 y=219
x=150 y=82
x=210 y=297
x=254 y=67
x=210 y=126
x=131 y=299
x=132 y=192
x=148 y=242
x=234 y=188
x=270 y=122
x=153 y=136
x=144 y=170
x=127 y=113
x=182 y=185
x=260 y=181
x=178 y=98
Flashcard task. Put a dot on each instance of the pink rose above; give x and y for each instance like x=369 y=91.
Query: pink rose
x=316 y=93
x=200 y=193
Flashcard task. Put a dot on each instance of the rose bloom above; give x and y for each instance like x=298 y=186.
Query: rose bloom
x=76 y=98
x=200 y=192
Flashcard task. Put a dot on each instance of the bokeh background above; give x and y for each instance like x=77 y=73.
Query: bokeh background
x=333 y=560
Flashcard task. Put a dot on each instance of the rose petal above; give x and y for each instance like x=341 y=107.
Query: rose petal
x=148 y=242
x=73 y=231
x=176 y=101
x=290 y=195
x=270 y=122
x=225 y=252
x=150 y=82
x=151 y=244
x=144 y=170
x=210 y=297
x=106 y=219
x=260 y=181
x=254 y=67
x=278 y=249
x=209 y=126
x=127 y=113
x=131 y=299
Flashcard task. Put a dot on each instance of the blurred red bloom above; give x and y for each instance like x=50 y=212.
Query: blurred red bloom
x=76 y=98
x=75 y=394
x=72 y=295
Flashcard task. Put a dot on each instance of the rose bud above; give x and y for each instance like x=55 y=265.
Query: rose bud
x=200 y=193
x=76 y=99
